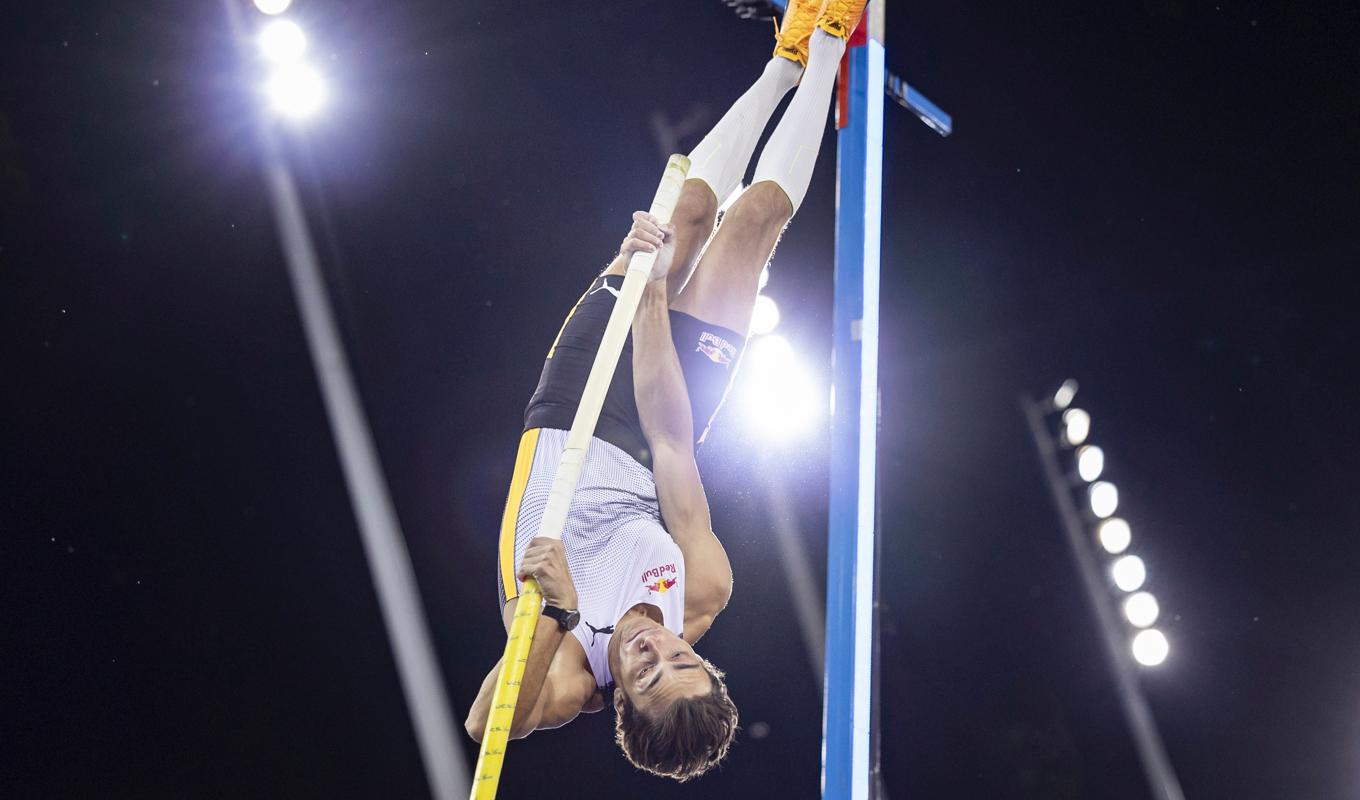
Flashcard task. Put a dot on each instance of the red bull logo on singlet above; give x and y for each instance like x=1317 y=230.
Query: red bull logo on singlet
x=719 y=350
x=661 y=584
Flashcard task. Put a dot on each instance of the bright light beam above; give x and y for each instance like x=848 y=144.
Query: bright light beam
x=283 y=42
x=778 y=394
x=1114 y=535
x=765 y=316
x=296 y=90
x=1129 y=572
x=1090 y=462
x=1150 y=647
x=272 y=7
x=1104 y=497
x=1076 y=426
x=1063 y=397
x=1141 y=609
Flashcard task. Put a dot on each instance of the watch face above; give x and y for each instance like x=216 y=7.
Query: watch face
x=572 y=620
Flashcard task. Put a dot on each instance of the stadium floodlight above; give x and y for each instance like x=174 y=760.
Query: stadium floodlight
x=272 y=7
x=1150 y=647
x=1141 y=609
x=1129 y=573
x=1104 y=498
x=1114 y=535
x=1063 y=397
x=283 y=42
x=1076 y=426
x=1090 y=462
x=296 y=90
x=779 y=396
x=765 y=316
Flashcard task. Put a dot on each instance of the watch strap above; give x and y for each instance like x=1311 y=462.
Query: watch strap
x=566 y=618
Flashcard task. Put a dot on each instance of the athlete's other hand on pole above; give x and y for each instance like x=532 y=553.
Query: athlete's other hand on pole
x=546 y=561
x=650 y=236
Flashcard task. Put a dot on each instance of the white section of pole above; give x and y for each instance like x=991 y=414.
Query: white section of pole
x=607 y=358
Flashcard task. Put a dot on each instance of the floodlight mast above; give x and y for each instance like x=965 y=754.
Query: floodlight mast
x=375 y=516
x=1161 y=777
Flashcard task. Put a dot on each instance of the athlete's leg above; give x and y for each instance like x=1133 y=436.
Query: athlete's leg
x=719 y=161
x=721 y=158
x=723 y=288
x=717 y=164
x=712 y=314
x=693 y=218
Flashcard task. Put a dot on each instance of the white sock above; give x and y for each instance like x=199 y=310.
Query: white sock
x=791 y=152
x=721 y=158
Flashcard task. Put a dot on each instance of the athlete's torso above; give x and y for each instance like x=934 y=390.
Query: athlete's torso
x=706 y=352
x=567 y=367
x=618 y=552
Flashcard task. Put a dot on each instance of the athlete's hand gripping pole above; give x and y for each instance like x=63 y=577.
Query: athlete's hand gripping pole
x=490 y=760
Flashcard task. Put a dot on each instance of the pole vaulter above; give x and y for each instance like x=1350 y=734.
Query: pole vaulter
x=500 y=721
x=609 y=569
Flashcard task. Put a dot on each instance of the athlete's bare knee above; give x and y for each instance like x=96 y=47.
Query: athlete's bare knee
x=764 y=208
x=697 y=207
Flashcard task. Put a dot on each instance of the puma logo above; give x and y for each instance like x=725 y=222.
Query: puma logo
x=594 y=631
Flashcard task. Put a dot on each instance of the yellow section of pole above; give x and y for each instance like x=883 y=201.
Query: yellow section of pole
x=491 y=759
x=487 y=775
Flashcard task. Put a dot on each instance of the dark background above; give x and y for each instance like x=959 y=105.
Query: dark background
x=1158 y=198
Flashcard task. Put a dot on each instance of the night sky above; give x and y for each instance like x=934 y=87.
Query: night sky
x=1157 y=198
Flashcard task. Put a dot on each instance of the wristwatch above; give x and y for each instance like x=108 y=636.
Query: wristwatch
x=566 y=618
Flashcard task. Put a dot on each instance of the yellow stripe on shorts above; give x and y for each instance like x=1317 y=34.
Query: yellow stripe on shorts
x=556 y=338
x=524 y=462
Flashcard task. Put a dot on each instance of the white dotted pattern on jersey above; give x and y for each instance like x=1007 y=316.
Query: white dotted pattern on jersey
x=618 y=551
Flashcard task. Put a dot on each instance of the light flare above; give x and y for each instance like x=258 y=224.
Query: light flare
x=296 y=91
x=780 y=398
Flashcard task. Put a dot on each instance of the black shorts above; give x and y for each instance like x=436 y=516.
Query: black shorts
x=708 y=353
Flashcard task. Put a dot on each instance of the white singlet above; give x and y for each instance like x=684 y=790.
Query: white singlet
x=618 y=552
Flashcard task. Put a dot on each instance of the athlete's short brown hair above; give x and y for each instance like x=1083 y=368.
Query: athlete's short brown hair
x=685 y=740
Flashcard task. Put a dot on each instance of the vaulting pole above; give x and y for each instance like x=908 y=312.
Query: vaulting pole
x=491 y=760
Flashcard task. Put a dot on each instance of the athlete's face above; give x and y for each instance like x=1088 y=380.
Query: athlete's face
x=656 y=667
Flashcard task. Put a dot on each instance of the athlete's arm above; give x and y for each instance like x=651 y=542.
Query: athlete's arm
x=645 y=236
x=619 y=266
x=563 y=693
x=552 y=691
x=667 y=423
